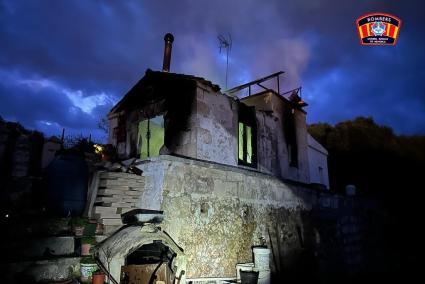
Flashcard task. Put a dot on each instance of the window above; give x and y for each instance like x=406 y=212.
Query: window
x=151 y=136
x=247 y=147
x=245 y=144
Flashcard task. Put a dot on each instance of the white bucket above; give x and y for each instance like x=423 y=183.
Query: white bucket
x=264 y=277
x=261 y=258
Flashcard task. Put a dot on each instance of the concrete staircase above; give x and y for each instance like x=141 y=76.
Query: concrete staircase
x=116 y=194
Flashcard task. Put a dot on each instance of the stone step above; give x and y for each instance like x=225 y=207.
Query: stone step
x=118 y=192
x=38 y=248
x=102 y=216
x=103 y=210
x=115 y=175
x=42 y=270
x=113 y=215
x=111 y=221
x=108 y=199
x=119 y=183
x=116 y=204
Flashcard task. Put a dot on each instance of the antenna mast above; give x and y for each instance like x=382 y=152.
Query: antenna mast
x=225 y=43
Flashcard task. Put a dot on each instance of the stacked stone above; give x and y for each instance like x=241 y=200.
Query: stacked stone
x=117 y=193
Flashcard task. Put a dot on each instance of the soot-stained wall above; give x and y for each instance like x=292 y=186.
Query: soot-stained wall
x=273 y=151
x=202 y=123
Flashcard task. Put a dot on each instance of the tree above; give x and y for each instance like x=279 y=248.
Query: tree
x=369 y=156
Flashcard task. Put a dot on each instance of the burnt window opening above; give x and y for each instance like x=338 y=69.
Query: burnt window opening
x=120 y=132
x=247 y=137
x=151 y=136
x=289 y=129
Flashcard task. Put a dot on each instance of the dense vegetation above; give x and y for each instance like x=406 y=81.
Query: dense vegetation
x=373 y=158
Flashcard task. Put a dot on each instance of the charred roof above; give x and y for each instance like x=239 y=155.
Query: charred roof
x=157 y=85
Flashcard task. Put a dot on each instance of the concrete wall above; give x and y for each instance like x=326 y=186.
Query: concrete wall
x=216 y=119
x=318 y=162
x=272 y=146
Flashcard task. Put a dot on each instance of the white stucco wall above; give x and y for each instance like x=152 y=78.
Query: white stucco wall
x=318 y=162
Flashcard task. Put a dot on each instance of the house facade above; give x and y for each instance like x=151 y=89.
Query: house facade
x=187 y=116
x=227 y=172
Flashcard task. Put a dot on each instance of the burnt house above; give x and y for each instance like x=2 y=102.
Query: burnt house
x=188 y=116
x=225 y=170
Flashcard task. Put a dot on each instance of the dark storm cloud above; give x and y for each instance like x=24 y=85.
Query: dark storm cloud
x=99 y=49
x=39 y=104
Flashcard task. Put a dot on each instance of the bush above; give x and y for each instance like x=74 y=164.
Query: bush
x=78 y=222
x=88 y=240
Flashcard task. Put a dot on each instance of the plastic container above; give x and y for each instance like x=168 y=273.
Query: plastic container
x=99 y=278
x=264 y=277
x=261 y=258
x=249 y=277
x=87 y=270
x=243 y=266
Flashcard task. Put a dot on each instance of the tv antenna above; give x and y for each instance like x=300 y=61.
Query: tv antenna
x=225 y=43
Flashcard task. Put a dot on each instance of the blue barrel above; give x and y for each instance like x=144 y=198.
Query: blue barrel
x=67 y=182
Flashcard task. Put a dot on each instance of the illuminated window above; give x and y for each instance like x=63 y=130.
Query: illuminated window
x=245 y=144
x=247 y=135
x=151 y=136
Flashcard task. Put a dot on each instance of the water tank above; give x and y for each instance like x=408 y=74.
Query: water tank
x=66 y=181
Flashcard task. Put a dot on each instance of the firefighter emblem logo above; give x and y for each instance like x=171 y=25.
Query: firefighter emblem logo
x=378 y=29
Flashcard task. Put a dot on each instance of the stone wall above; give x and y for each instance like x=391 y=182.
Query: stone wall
x=216 y=213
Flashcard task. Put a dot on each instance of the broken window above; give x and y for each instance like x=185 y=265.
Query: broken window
x=151 y=136
x=247 y=136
